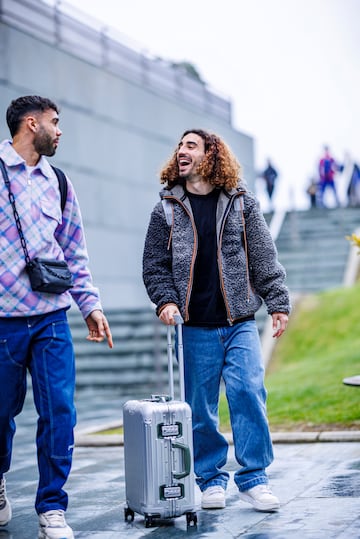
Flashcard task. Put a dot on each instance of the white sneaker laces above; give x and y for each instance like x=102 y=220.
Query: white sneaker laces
x=265 y=489
x=216 y=489
x=55 y=518
x=2 y=492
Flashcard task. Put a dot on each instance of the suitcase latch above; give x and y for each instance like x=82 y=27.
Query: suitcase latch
x=169 y=431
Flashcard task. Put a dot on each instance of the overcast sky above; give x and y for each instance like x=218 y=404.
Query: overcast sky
x=289 y=67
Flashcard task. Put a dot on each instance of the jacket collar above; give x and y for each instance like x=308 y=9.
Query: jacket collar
x=13 y=159
x=178 y=191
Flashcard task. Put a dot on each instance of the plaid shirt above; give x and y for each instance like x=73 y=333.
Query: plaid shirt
x=48 y=232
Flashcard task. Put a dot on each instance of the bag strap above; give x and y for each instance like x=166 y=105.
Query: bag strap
x=63 y=186
x=16 y=215
x=168 y=210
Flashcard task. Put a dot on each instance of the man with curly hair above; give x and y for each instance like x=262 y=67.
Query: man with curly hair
x=209 y=256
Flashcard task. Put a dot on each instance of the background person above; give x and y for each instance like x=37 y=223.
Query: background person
x=270 y=175
x=212 y=260
x=34 y=332
x=312 y=191
x=327 y=171
x=351 y=175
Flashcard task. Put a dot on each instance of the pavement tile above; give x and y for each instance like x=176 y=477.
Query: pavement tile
x=318 y=484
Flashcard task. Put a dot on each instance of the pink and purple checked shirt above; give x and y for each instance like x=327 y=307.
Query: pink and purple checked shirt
x=48 y=234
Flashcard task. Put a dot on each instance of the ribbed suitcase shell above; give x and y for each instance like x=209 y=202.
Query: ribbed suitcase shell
x=158 y=451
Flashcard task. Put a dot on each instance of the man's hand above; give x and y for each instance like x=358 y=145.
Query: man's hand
x=98 y=328
x=167 y=314
x=280 y=321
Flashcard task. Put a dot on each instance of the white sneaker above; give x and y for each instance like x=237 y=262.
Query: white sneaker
x=5 y=507
x=261 y=498
x=213 y=498
x=52 y=525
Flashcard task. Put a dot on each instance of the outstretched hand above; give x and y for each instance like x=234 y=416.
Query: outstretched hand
x=98 y=328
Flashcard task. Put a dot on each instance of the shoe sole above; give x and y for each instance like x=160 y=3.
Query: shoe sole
x=265 y=508
x=213 y=505
x=43 y=535
x=46 y=537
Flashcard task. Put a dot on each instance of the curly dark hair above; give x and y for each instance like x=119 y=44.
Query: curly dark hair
x=219 y=167
x=21 y=106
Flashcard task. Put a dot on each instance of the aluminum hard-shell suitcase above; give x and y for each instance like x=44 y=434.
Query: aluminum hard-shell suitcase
x=158 y=451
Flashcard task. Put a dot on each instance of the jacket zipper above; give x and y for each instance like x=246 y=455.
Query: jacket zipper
x=222 y=285
x=193 y=258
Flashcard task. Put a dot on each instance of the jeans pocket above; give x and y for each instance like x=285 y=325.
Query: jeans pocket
x=7 y=358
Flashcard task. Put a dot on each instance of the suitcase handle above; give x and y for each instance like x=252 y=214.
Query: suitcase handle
x=187 y=460
x=180 y=353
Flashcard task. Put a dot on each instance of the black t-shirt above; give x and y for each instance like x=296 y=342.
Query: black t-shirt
x=207 y=306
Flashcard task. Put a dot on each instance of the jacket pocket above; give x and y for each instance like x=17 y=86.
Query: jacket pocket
x=50 y=210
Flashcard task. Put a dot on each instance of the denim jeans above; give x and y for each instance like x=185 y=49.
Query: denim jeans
x=234 y=355
x=323 y=186
x=43 y=345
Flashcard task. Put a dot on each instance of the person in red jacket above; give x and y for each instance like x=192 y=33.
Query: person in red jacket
x=327 y=171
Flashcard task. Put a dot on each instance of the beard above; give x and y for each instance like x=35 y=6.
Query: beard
x=44 y=144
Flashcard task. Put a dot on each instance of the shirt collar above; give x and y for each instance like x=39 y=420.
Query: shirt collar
x=12 y=159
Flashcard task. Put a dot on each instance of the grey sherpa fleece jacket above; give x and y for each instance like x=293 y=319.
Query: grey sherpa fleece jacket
x=247 y=257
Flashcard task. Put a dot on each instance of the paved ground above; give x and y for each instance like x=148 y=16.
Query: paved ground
x=318 y=485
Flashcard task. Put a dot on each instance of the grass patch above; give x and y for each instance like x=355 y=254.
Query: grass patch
x=304 y=380
x=116 y=430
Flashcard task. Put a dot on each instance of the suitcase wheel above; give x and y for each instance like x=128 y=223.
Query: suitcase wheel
x=129 y=514
x=148 y=521
x=191 y=518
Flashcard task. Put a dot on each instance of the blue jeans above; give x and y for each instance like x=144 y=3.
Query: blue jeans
x=322 y=188
x=43 y=345
x=234 y=354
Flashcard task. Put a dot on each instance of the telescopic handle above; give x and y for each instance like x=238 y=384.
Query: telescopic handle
x=180 y=353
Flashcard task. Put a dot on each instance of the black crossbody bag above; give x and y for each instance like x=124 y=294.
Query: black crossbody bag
x=46 y=275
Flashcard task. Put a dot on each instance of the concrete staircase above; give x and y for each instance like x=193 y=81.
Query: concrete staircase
x=136 y=366
x=313 y=248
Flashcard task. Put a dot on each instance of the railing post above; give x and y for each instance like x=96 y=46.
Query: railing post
x=104 y=40
x=57 y=21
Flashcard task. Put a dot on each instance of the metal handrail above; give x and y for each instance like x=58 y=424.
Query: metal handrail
x=60 y=25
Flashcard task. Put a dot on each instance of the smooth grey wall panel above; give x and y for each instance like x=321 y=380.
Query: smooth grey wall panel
x=117 y=134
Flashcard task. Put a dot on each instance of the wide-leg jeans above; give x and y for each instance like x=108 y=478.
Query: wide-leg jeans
x=43 y=345
x=233 y=354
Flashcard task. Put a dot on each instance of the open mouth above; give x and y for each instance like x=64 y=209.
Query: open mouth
x=183 y=162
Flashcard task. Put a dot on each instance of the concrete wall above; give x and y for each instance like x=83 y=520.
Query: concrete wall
x=116 y=136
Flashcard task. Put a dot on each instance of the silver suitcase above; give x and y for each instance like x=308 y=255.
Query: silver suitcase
x=158 y=451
